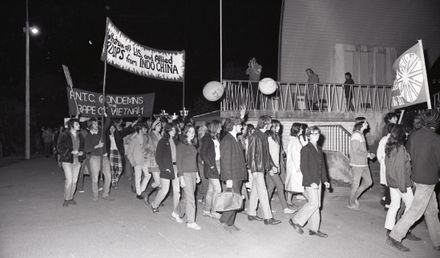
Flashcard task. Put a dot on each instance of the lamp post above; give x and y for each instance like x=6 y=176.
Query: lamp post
x=27 y=122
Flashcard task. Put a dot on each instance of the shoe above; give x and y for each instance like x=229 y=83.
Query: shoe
x=288 y=211
x=100 y=189
x=206 y=213
x=81 y=191
x=72 y=201
x=215 y=215
x=176 y=217
x=396 y=244
x=193 y=225
x=353 y=207
x=296 y=227
x=410 y=236
x=139 y=196
x=147 y=200
x=108 y=198
x=95 y=198
x=65 y=203
x=155 y=210
x=317 y=233
x=231 y=228
x=251 y=218
x=271 y=221
x=437 y=248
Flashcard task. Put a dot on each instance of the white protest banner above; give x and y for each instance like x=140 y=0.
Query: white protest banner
x=411 y=83
x=123 y=53
x=90 y=104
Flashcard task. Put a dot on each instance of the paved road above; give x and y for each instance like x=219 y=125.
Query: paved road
x=34 y=224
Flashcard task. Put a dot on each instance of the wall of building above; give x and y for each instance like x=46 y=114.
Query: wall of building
x=312 y=28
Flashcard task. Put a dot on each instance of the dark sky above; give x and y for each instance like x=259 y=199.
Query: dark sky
x=72 y=33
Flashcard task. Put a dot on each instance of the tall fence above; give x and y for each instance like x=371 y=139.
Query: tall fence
x=335 y=138
x=321 y=97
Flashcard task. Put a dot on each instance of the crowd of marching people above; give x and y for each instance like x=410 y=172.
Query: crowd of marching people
x=198 y=163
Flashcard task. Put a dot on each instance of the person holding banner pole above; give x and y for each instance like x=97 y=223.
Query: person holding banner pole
x=96 y=148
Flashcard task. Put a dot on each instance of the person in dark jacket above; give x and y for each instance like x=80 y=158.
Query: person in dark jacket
x=424 y=147
x=349 y=92
x=166 y=160
x=259 y=162
x=210 y=154
x=70 y=146
x=398 y=172
x=232 y=167
x=314 y=175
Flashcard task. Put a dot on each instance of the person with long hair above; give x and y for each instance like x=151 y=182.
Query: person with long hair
x=136 y=154
x=314 y=172
x=294 y=176
x=359 y=156
x=398 y=172
x=186 y=162
x=260 y=163
x=115 y=148
x=166 y=160
x=70 y=146
x=424 y=147
x=210 y=154
x=273 y=178
x=153 y=138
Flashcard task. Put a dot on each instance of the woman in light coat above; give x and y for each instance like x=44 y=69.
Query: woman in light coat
x=294 y=176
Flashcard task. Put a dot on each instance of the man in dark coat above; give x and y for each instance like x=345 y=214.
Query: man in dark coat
x=260 y=162
x=232 y=167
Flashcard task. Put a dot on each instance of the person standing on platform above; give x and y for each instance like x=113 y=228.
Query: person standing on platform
x=311 y=90
x=254 y=70
x=348 y=90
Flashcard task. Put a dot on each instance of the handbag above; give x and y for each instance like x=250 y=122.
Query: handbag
x=227 y=201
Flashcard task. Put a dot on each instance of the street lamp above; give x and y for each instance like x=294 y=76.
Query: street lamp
x=184 y=112
x=27 y=122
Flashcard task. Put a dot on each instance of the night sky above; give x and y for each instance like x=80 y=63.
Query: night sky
x=72 y=33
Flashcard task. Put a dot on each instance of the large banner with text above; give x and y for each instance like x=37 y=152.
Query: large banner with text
x=123 y=53
x=89 y=104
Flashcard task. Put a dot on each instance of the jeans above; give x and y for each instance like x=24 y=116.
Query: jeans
x=275 y=181
x=228 y=217
x=259 y=193
x=356 y=187
x=424 y=203
x=71 y=171
x=213 y=189
x=396 y=197
x=95 y=166
x=187 y=204
x=163 y=191
x=139 y=182
x=310 y=211
x=85 y=165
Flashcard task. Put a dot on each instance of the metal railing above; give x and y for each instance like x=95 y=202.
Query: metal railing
x=335 y=138
x=321 y=97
